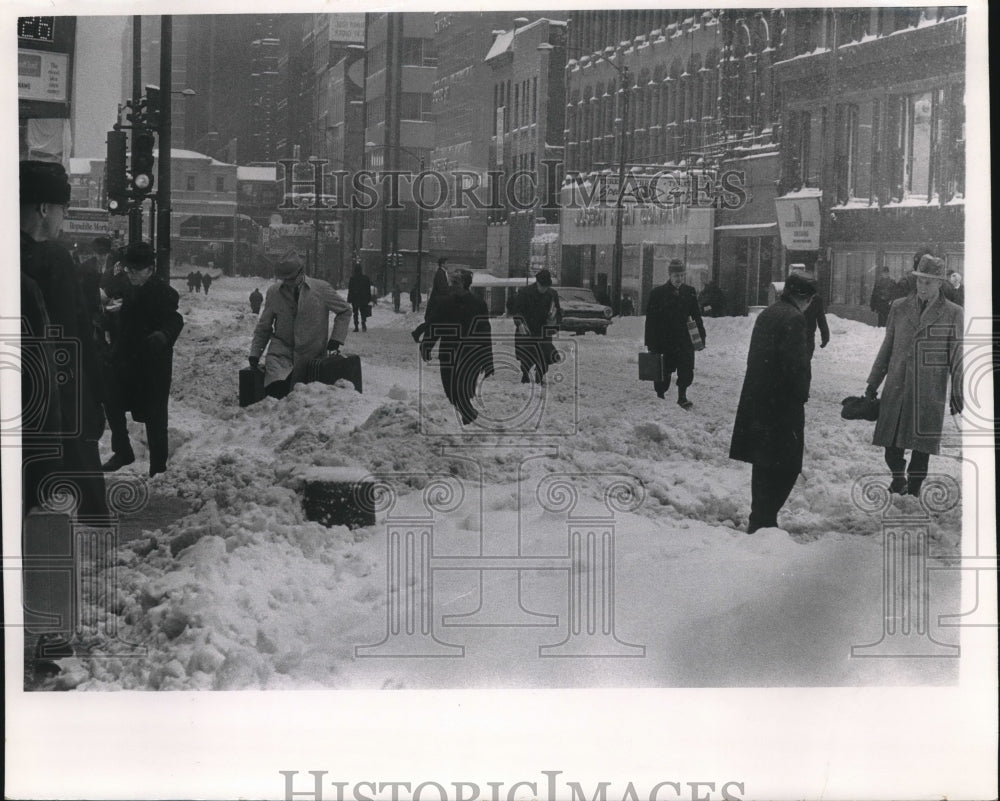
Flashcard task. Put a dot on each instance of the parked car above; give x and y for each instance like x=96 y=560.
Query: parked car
x=581 y=311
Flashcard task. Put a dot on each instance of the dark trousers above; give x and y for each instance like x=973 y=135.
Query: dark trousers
x=77 y=459
x=769 y=489
x=459 y=384
x=363 y=311
x=155 y=418
x=883 y=316
x=895 y=458
x=533 y=352
x=681 y=362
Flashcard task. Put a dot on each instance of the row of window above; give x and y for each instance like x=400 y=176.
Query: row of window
x=853 y=272
x=191 y=182
x=520 y=108
x=816 y=29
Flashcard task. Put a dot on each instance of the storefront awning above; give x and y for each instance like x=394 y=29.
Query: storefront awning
x=749 y=228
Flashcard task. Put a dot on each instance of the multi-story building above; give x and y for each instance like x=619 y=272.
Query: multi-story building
x=400 y=69
x=528 y=101
x=265 y=50
x=872 y=158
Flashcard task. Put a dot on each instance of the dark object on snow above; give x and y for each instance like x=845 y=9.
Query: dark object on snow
x=332 y=368
x=651 y=367
x=859 y=408
x=334 y=501
x=251 y=386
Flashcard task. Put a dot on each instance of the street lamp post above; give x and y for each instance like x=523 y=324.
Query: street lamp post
x=420 y=216
x=622 y=120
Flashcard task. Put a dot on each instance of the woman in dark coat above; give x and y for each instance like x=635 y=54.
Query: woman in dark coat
x=359 y=295
x=537 y=314
x=142 y=359
x=770 y=420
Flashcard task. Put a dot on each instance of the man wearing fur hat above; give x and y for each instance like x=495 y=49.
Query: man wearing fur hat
x=770 y=419
x=667 y=313
x=920 y=355
x=51 y=293
x=294 y=325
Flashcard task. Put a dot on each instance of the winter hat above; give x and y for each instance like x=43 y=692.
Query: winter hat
x=442 y=260
x=543 y=278
x=931 y=267
x=676 y=266
x=289 y=266
x=796 y=284
x=140 y=255
x=44 y=182
x=802 y=271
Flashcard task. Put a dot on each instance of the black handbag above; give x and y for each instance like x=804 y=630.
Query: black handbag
x=859 y=408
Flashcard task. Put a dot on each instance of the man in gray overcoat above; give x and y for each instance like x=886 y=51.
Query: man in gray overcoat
x=921 y=353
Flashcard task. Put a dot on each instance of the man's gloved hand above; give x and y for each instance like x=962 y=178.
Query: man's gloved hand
x=871 y=392
x=157 y=342
x=824 y=343
x=956 y=406
x=333 y=346
x=425 y=350
x=254 y=361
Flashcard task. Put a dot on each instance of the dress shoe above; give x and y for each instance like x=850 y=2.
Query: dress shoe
x=157 y=468
x=117 y=462
x=898 y=485
x=684 y=403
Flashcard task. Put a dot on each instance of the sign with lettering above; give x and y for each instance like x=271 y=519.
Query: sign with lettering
x=798 y=222
x=42 y=76
x=347 y=28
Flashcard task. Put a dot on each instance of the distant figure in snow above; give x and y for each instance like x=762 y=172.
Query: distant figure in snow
x=206 y=282
x=414 y=299
x=882 y=296
x=670 y=307
x=397 y=298
x=359 y=295
x=255 y=300
x=197 y=281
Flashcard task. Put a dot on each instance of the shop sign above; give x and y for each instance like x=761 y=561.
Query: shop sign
x=798 y=222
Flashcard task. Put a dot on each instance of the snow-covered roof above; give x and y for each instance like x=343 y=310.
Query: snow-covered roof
x=256 y=174
x=501 y=45
x=175 y=153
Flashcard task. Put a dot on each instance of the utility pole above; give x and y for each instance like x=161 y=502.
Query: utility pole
x=135 y=213
x=616 y=264
x=163 y=176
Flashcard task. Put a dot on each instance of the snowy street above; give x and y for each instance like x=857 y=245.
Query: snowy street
x=245 y=593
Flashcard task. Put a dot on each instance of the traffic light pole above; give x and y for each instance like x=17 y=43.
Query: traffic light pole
x=135 y=213
x=163 y=166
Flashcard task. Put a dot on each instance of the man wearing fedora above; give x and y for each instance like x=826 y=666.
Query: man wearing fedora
x=537 y=315
x=920 y=355
x=815 y=312
x=294 y=325
x=52 y=297
x=670 y=307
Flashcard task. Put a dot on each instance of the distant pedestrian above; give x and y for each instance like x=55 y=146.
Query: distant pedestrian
x=206 y=282
x=882 y=296
x=142 y=360
x=396 y=298
x=712 y=300
x=628 y=309
x=920 y=354
x=815 y=312
x=359 y=295
x=461 y=323
x=440 y=289
x=198 y=279
x=954 y=290
x=255 y=300
x=770 y=420
x=670 y=307
x=191 y=281
x=294 y=326
x=537 y=315
x=414 y=299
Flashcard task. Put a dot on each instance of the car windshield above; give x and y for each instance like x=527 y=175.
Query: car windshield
x=580 y=294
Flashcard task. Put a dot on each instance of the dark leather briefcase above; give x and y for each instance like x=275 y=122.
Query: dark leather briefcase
x=650 y=366
x=332 y=368
x=251 y=386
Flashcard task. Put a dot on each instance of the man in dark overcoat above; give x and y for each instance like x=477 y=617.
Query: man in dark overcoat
x=537 y=314
x=920 y=355
x=52 y=294
x=359 y=295
x=815 y=312
x=882 y=296
x=770 y=420
x=440 y=289
x=461 y=323
x=255 y=300
x=142 y=360
x=670 y=307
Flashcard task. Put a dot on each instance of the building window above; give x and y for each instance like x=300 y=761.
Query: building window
x=913 y=144
x=414 y=105
x=189 y=182
x=853 y=273
x=220 y=183
x=899 y=264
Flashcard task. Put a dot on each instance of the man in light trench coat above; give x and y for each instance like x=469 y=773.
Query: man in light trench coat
x=921 y=351
x=293 y=326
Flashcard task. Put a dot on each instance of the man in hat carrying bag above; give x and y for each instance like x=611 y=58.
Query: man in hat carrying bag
x=921 y=353
x=294 y=325
x=537 y=314
x=670 y=307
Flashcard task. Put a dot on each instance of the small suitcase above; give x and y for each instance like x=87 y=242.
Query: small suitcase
x=650 y=366
x=251 y=385
x=332 y=368
x=696 y=341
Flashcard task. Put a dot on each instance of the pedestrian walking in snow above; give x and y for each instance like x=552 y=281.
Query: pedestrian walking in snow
x=197 y=281
x=397 y=298
x=142 y=360
x=770 y=420
x=359 y=295
x=440 y=289
x=191 y=281
x=815 y=312
x=414 y=299
x=537 y=315
x=671 y=306
x=294 y=326
x=712 y=300
x=206 y=282
x=920 y=354
x=461 y=323
x=255 y=300
x=882 y=296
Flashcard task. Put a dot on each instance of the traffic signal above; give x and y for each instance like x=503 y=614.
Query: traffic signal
x=142 y=163
x=117 y=183
x=154 y=104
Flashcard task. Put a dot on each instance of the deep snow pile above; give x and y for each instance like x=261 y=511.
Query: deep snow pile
x=245 y=593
